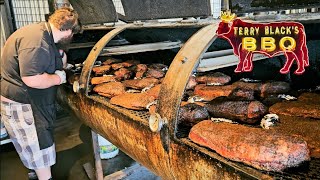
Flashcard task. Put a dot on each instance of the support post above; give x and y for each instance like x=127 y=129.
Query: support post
x=97 y=159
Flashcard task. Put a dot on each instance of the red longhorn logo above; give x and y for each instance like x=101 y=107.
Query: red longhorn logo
x=269 y=39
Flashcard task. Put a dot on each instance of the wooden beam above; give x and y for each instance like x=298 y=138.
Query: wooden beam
x=97 y=159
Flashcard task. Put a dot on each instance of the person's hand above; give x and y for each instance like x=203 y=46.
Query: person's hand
x=62 y=76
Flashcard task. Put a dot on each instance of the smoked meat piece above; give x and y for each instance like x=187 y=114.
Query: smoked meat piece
x=275 y=87
x=247 y=85
x=155 y=73
x=307 y=105
x=110 y=89
x=154 y=91
x=135 y=101
x=100 y=70
x=265 y=150
x=265 y=89
x=190 y=114
x=215 y=78
x=158 y=66
x=313 y=98
x=241 y=94
x=307 y=128
x=245 y=111
x=211 y=92
x=102 y=79
x=125 y=64
x=111 y=60
x=140 y=83
x=191 y=83
x=141 y=69
x=156 y=70
x=183 y=103
x=123 y=74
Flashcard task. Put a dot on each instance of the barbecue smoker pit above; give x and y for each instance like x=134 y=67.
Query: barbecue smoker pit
x=161 y=143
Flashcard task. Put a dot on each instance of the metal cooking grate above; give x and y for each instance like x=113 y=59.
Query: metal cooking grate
x=141 y=114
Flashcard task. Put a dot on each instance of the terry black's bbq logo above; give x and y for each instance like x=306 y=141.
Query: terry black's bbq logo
x=266 y=38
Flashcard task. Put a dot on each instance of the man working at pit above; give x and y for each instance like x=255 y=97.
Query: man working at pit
x=31 y=69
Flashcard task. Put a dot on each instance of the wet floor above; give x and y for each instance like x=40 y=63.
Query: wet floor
x=74 y=149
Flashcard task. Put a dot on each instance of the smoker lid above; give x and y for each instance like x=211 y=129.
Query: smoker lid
x=95 y=11
x=161 y=9
x=103 y=11
x=243 y=6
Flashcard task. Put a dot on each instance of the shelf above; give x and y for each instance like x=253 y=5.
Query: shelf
x=114 y=42
x=136 y=48
x=220 y=59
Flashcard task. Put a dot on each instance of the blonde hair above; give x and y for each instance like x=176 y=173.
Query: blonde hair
x=65 y=19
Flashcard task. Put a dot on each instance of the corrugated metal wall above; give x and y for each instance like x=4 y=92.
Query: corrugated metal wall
x=118 y=6
x=29 y=11
x=5 y=29
x=215 y=8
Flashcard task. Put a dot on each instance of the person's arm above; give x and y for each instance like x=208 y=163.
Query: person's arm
x=33 y=65
x=42 y=81
x=64 y=58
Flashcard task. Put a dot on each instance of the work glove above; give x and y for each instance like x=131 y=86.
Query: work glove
x=62 y=76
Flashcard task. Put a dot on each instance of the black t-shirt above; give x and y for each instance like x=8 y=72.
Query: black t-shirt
x=29 y=51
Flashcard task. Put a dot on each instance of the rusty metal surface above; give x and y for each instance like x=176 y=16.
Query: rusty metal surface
x=129 y=131
x=188 y=163
x=161 y=9
x=130 y=134
x=95 y=11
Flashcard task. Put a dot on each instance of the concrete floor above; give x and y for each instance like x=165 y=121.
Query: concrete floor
x=74 y=149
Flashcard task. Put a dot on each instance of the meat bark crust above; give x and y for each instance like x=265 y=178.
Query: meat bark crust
x=140 y=83
x=215 y=78
x=135 y=101
x=308 y=105
x=265 y=150
x=191 y=114
x=244 y=111
x=110 y=89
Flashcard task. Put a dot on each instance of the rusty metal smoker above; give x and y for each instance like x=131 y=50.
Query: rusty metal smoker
x=153 y=141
